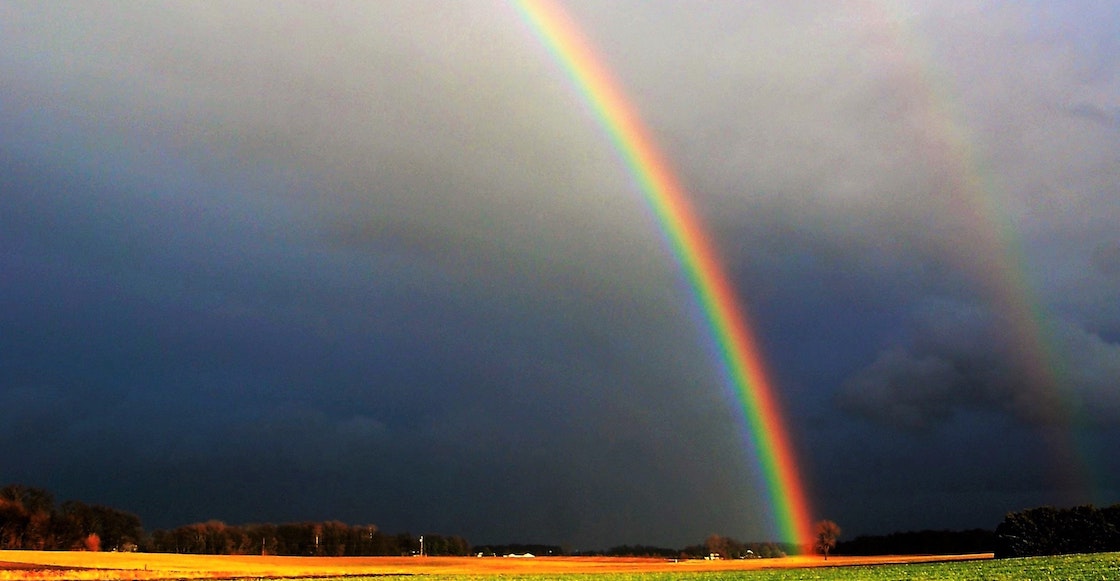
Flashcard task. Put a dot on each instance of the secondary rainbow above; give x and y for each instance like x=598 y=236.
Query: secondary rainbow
x=690 y=244
x=988 y=248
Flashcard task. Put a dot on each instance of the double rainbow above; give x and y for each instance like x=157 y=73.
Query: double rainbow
x=690 y=244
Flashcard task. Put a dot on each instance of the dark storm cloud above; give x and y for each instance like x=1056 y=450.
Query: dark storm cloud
x=835 y=210
x=904 y=390
x=958 y=364
x=868 y=199
x=378 y=263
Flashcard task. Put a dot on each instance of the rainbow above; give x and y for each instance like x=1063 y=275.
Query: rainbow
x=693 y=250
x=988 y=247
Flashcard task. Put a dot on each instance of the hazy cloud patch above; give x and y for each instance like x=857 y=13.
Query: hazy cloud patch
x=1090 y=368
x=966 y=363
x=1106 y=259
x=903 y=390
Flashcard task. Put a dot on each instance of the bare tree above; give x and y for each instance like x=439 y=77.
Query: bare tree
x=826 y=534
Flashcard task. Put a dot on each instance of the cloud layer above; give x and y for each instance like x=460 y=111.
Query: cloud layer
x=377 y=262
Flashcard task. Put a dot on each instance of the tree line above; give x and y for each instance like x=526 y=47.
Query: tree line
x=926 y=542
x=1056 y=531
x=324 y=539
x=717 y=545
x=29 y=519
x=730 y=548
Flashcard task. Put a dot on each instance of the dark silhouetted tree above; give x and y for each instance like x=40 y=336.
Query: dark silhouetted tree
x=826 y=532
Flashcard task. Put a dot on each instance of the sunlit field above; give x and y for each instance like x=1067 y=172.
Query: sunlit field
x=83 y=565
x=22 y=565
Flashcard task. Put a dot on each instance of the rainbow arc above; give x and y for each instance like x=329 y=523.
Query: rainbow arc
x=698 y=258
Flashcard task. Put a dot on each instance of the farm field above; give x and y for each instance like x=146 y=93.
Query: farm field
x=83 y=565
x=22 y=565
x=49 y=565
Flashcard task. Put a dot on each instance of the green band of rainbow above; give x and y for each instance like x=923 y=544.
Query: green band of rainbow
x=697 y=257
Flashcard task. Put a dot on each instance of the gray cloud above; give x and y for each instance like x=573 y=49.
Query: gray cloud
x=393 y=236
x=904 y=390
x=1091 y=371
x=959 y=363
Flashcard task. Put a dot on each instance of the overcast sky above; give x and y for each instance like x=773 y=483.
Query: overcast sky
x=377 y=262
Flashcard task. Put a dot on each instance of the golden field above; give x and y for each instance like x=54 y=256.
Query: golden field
x=24 y=565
